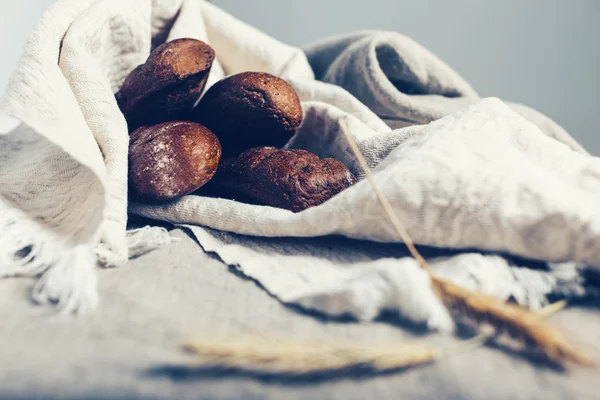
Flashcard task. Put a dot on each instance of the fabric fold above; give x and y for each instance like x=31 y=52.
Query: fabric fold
x=404 y=83
x=462 y=172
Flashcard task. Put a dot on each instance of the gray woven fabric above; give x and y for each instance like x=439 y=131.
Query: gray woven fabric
x=477 y=175
x=129 y=348
x=402 y=82
x=473 y=179
x=341 y=277
x=460 y=171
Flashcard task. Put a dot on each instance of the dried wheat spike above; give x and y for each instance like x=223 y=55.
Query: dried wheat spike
x=516 y=321
x=301 y=358
x=477 y=307
x=274 y=356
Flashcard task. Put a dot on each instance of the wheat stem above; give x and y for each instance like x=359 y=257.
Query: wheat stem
x=382 y=199
x=276 y=356
x=479 y=340
x=301 y=358
x=551 y=309
x=473 y=306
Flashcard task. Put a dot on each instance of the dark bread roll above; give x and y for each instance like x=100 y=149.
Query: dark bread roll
x=171 y=160
x=290 y=179
x=250 y=109
x=167 y=86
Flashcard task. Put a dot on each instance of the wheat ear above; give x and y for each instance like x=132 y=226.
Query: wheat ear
x=275 y=356
x=302 y=358
x=476 y=307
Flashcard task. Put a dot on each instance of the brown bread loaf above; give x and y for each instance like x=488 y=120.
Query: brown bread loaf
x=250 y=109
x=170 y=160
x=290 y=179
x=168 y=85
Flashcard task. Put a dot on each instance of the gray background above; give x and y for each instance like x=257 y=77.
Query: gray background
x=543 y=53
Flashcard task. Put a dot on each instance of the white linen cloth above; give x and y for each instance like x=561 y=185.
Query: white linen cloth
x=462 y=173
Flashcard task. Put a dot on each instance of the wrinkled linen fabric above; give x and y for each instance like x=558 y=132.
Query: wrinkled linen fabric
x=479 y=179
x=403 y=82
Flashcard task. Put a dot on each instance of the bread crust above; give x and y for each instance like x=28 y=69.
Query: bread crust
x=168 y=85
x=170 y=160
x=250 y=109
x=291 y=179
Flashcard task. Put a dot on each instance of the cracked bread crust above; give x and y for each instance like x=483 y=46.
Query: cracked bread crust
x=250 y=109
x=291 y=179
x=167 y=86
x=170 y=160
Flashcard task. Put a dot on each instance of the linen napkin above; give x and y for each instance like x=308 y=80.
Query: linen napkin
x=486 y=183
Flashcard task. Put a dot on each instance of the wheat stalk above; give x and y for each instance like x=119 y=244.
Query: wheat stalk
x=276 y=356
x=475 y=307
x=302 y=358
